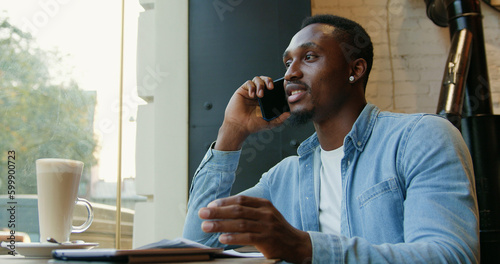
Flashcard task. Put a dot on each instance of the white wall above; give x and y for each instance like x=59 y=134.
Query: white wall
x=410 y=51
x=162 y=124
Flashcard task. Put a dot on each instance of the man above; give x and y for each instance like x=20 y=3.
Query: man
x=367 y=187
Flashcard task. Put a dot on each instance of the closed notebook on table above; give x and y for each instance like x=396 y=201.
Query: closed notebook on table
x=138 y=255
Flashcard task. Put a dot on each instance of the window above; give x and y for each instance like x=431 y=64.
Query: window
x=60 y=92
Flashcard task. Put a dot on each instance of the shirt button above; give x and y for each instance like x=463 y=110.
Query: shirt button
x=359 y=143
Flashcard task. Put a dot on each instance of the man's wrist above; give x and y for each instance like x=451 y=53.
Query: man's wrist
x=304 y=251
x=230 y=138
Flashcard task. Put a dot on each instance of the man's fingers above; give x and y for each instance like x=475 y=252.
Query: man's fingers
x=260 y=86
x=232 y=226
x=230 y=212
x=239 y=238
x=268 y=81
x=241 y=200
x=262 y=83
x=250 y=87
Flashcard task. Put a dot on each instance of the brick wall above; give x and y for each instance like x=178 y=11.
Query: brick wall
x=410 y=51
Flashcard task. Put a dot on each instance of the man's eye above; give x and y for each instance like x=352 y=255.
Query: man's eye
x=287 y=64
x=310 y=57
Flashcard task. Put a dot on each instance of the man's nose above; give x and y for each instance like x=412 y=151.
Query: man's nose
x=294 y=71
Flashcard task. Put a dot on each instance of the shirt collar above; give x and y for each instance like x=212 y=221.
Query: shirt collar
x=363 y=127
x=358 y=136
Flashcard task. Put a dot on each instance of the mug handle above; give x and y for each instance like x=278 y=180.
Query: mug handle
x=90 y=217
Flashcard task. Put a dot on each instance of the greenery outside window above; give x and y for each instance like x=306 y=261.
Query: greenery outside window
x=59 y=97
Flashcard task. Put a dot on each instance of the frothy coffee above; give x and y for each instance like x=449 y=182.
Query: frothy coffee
x=57 y=185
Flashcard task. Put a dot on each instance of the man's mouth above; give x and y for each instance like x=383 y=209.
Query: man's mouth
x=295 y=92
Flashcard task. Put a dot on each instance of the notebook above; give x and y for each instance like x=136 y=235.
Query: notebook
x=165 y=250
x=137 y=255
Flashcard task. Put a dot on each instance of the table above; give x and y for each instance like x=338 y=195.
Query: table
x=7 y=259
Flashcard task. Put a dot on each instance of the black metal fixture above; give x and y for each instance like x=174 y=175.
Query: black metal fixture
x=465 y=100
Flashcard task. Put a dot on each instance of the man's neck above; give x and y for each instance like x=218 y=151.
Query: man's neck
x=331 y=132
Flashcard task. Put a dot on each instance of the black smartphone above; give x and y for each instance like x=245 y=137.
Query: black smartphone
x=274 y=102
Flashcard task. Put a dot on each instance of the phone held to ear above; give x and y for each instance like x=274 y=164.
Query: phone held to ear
x=274 y=102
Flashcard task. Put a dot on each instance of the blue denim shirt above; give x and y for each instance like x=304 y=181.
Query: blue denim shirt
x=408 y=192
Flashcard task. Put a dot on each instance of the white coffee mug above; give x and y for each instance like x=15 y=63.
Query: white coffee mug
x=57 y=185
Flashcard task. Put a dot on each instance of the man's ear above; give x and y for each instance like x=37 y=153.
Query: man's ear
x=358 y=68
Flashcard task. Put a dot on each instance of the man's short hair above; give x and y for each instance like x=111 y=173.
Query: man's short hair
x=352 y=37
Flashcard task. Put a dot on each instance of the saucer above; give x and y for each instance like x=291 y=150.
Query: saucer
x=44 y=250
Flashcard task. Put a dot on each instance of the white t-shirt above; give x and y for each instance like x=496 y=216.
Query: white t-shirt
x=330 y=196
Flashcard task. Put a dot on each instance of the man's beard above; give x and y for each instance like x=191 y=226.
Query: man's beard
x=300 y=118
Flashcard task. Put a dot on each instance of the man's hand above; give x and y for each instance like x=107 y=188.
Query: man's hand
x=243 y=117
x=255 y=221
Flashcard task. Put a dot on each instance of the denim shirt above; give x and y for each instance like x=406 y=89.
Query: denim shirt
x=408 y=192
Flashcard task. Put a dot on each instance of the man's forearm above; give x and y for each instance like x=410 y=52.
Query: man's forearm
x=213 y=180
x=230 y=137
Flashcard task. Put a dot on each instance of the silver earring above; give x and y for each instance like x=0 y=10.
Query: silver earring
x=351 y=79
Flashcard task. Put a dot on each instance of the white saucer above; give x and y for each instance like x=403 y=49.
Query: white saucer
x=44 y=250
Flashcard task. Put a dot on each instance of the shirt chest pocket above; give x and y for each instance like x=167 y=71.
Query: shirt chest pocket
x=378 y=191
x=380 y=206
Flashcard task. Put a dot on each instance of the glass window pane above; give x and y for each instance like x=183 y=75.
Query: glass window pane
x=59 y=97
